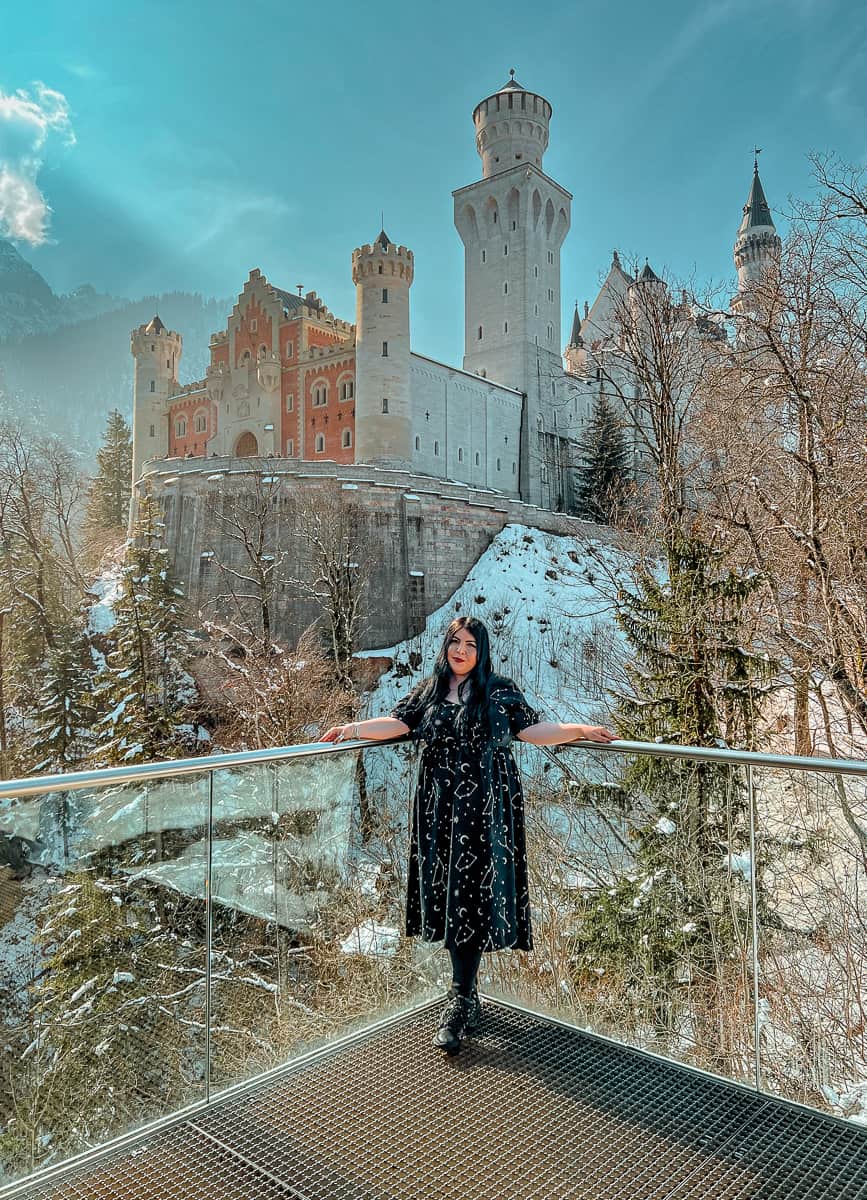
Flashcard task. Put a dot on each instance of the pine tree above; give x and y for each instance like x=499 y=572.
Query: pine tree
x=604 y=478
x=115 y=1020
x=108 y=501
x=143 y=688
x=672 y=926
x=65 y=704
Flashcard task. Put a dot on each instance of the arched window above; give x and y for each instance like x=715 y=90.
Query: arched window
x=245 y=357
x=181 y=427
x=346 y=440
x=346 y=388
x=263 y=351
x=290 y=448
x=320 y=443
x=320 y=394
x=200 y=421
x=385 y=404
x=153 y=385
x=514 y=468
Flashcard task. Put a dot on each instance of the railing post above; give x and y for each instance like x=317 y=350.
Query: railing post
x=209 y=931
x=754 y=892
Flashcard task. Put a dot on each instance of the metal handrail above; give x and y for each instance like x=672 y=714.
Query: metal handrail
x=76 y=780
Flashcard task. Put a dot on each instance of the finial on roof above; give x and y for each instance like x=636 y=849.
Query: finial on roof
x=586 y=309
x=756 y=152
x=616 y=259
x=511 y=72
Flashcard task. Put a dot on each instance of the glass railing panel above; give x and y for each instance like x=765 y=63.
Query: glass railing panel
x=640 y=886
x=813 y=943
x=300 y=951
x=102 y=957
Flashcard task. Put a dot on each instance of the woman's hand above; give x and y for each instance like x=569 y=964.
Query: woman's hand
x=340 y=733
x=595 y=733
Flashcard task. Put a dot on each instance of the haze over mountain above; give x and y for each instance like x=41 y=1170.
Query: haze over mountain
x=65 y=360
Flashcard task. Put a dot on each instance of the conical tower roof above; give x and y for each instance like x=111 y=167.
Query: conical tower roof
x=382 y=240
x=155 y=326
x=756 y=210
x=648 y=275
x=575 y=338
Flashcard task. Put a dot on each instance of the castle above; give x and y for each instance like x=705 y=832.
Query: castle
x=354 y=402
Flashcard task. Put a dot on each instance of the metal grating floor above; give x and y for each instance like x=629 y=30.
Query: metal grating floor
x=529 y=1109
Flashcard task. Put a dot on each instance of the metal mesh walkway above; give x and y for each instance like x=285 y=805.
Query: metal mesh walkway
x=528 y=1109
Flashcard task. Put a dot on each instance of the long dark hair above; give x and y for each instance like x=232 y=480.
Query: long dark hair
x=475 y=689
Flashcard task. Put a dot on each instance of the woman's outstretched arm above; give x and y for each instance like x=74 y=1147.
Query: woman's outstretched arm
x=376 y=729
x=560 y=733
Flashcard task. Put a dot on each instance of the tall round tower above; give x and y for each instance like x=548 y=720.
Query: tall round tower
x=758 y=245
x=382 y=274
x=157 y=353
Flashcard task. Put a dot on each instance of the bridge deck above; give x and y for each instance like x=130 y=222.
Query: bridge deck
x=529 y=1108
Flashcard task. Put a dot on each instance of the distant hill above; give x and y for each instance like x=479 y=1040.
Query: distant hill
x=65 y=360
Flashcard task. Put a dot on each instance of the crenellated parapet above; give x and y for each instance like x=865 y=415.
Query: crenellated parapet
x=383 y=257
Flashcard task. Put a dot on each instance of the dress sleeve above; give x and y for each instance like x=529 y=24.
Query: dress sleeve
x=511 y=701
x=409 y=710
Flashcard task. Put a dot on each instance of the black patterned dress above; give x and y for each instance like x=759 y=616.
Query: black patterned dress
x=467 y=881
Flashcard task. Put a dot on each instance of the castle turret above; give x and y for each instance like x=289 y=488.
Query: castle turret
x=382 y=274
x=511 y=126
x=157 y=353
x=757 y=245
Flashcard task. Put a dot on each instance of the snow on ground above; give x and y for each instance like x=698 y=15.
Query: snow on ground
x=546 y=600
x=107 y=589
x=371 y=940
x=20 y=958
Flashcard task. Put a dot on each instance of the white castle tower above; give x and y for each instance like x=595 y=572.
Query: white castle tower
x=157 y=353
x=382 y=274
x=757 y=246
x=513 y=222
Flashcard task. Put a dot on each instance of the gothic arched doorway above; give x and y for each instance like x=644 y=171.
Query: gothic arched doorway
x=246 y=446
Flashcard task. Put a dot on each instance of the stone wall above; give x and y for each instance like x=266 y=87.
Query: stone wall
x=418 y=536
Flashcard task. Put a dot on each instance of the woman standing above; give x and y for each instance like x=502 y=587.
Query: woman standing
x=467 y=881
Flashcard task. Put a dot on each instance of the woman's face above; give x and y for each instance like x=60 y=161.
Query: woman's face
x=462 y=654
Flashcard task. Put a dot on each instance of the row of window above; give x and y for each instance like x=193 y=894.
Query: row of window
x=436 y=450
x=550 y=330
x=319 y=442
x=200 y=424
x=345 y=391
x=484 y=256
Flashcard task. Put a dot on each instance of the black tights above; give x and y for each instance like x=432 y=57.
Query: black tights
x=465 y=969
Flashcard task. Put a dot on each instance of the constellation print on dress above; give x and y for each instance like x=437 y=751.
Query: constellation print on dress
x=468 y=861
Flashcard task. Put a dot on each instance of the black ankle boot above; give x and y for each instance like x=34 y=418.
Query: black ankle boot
x=474 y=1007
x=453 y=1024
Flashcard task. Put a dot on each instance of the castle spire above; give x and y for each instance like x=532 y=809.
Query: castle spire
x=575 y=338
x=757 y=211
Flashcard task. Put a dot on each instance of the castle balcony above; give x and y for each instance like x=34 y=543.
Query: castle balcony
x=207 y=994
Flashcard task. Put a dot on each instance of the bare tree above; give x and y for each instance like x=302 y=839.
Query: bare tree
x=785 y=417
x=329 y=527
x=250 y=561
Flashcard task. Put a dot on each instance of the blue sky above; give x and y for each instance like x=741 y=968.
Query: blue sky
x=179 y=144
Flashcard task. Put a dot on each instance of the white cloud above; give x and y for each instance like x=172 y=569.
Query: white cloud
x=29 y=120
